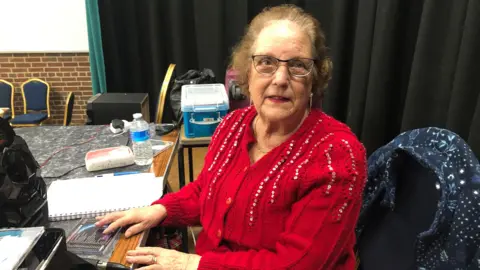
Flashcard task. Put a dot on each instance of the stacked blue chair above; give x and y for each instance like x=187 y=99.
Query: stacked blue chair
x=6 y=98
x=36 y=99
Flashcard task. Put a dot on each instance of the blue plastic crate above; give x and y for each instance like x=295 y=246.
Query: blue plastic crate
x=203 y=107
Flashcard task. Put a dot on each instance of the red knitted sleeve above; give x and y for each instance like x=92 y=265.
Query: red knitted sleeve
x=319 y=233
x=183 y=207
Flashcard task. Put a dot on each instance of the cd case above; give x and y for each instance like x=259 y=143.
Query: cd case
x=87 y=240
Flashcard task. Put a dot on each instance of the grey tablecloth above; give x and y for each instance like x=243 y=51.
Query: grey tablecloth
x=66 y=147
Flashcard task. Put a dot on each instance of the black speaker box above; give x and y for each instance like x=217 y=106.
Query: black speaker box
x=103 y=108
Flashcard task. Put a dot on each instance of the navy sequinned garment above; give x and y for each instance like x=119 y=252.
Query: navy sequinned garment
x=453 y=239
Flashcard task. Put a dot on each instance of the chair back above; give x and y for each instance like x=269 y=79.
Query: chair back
x=36 y=95
x=6 y=95
x=165 y=115
x=67 y=118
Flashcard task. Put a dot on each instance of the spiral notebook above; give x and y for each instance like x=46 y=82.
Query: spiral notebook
x=91 y=197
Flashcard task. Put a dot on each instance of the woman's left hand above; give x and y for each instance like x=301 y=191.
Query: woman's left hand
x=162 y=259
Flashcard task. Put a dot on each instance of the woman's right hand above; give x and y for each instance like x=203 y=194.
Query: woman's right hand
x=140 y=218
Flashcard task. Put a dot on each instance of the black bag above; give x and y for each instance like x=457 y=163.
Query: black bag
x=23 y=193
x=191 y=77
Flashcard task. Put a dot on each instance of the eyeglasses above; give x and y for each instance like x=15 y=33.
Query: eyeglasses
x=298 y=67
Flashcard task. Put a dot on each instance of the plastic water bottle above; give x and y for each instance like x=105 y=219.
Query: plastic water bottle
x=141 y=144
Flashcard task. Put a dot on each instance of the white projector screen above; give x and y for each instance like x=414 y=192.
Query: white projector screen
x=43 y=26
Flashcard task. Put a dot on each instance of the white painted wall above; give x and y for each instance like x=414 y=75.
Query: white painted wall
x=43 y=26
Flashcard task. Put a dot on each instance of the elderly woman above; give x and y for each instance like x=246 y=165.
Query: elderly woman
x=282 y=183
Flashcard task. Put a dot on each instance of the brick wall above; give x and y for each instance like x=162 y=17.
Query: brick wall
x=65 y=72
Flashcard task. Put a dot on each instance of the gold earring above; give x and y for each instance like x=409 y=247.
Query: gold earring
x=311 y=100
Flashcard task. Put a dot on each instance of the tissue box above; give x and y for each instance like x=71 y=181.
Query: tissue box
x=108 y=158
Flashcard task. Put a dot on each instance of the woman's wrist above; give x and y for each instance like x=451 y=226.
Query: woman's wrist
x=161 y=210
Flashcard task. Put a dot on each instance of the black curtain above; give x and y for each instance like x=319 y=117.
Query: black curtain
x=398 y=64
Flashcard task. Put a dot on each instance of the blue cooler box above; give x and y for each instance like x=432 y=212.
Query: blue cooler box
x=203 y=107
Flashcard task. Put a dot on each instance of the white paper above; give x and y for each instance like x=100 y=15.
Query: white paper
x=14 y=249
x=11 y=251
x=89 y=197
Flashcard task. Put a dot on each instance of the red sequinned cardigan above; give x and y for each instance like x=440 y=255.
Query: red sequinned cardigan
x=295 y=208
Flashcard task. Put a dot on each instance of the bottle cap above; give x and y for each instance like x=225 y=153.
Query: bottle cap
x=137 y=115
